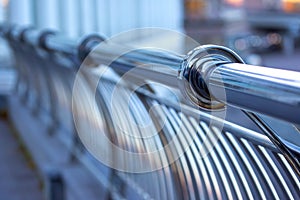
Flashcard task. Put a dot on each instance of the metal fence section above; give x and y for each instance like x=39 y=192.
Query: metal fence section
x=230 y=162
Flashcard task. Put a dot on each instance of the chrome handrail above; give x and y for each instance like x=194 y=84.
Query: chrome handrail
x=210 y=76
x=204 y=72
x=254 y=88
x=213 y=76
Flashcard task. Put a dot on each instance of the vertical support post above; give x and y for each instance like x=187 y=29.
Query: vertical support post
x=20 y=12
x=54 y=186
x=47 y=14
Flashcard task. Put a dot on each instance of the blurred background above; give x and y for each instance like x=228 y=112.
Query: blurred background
x=263 y=32
x=252 y=24
x=250 y=27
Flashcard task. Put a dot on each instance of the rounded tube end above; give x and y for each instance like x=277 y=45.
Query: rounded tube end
x=43 y=37
x=87 y=44
x=196 y=69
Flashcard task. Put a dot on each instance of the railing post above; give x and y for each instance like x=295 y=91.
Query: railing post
x=54 y=186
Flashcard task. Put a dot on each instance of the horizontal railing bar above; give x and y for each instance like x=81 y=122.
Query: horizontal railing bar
x=143 y=64
x=201 y=74
x=210 y=76
x=275 y=92
x=61 y=44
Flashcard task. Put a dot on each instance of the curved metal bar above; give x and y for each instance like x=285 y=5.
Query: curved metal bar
x=205 y=71
x=293 y=161
x=210 y=71
x=202 y=74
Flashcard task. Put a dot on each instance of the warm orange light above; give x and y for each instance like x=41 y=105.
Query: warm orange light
x=291 y=5
x=235 y=2
x=291 y=1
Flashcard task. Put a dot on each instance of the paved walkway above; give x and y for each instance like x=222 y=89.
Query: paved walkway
x=17 y=179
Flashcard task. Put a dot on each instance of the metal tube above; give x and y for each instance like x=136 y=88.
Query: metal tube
x=274 y=92
x=61 y=44
x=152 y=65
x=201 y=75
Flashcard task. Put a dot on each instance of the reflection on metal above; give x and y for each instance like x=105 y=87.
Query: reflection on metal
x=196 y=73
x=230 y=163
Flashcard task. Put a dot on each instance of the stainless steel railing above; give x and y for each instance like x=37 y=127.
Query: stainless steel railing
x=254 y=88
x=209 y=76
x=209 y=69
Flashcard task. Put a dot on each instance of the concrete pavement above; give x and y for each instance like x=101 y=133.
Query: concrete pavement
x=18 y=179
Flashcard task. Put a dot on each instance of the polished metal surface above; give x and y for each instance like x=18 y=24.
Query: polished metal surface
x=274 y=92
x=254 y=88
x=215 y=162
